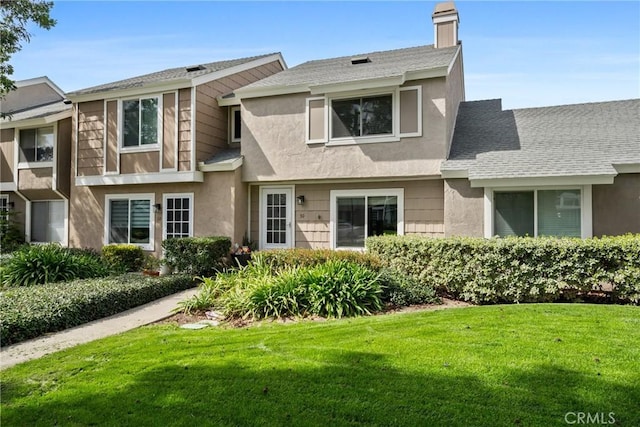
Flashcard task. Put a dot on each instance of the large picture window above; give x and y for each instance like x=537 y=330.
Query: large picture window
x=178 y=215
x=538 y=213
x=358 y=214
x=47 y=221
x=140 y=122
x=130 y=220
x=359 y=117
x=36 y=145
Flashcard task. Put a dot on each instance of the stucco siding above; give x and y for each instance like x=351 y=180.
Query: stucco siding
x=212 y=120
x=616 y=207
x=455 y=95
x=273 y=143
x=463 y=209
x=63 y=160
x=7 y=154
x=217 y=209
x=90 y=141
x=255 y=213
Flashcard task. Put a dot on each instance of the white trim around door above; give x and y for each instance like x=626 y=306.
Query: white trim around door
x=277 y=217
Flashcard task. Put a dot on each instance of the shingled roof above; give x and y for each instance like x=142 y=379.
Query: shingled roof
x=561 y=141
x=168 y=75
x=360 y=67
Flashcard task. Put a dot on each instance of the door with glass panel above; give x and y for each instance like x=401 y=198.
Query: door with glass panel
x=277 y=216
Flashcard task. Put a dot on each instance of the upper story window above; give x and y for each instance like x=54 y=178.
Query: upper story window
x=36 y=145
x=236 y=124
x=140 y=122
x=382 y=116
x=365 y=116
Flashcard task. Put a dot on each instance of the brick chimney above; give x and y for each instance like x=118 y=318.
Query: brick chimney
x=445 y=25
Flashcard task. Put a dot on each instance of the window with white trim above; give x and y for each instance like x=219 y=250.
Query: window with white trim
x=4 y=209
x=358 y=214
x=178 y=215
x=36 y=145
x=130 y=220
x=359 y=117
x=556 y=212
x=47 y=221
x=235 y=127
x=140 y=119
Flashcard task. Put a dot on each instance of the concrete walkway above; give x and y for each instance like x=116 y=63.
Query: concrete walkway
x=127 y=320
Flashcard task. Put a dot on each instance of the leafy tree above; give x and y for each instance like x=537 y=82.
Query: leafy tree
x=15 y=16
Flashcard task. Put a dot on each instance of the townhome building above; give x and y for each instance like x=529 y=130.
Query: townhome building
x=320 y=155
x=35 y=145
x=155 y=156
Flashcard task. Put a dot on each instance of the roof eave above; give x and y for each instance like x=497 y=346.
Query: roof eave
x=51 y=118
x=542 y=181
x=138 y=90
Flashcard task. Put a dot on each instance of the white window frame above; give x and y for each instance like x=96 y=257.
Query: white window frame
x=4 y=204
x=165 y=198
x=378 y=192
x=586 y=219
x=140 y=147
x=129 y=197
x=36 y=164
x=28 y=218
x=232 y=123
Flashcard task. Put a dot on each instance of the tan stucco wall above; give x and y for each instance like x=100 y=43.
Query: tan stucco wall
x=212 y=120
x=463 y=209
x=423 y=209
x=455 y=90
x=219 y=209
x=63 y=160
x=616 y=207
x=273 y=143
x=7 y=155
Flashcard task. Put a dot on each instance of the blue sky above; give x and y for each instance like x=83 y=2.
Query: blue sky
x=528 y=53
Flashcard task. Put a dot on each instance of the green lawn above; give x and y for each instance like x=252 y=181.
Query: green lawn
x=480 y=366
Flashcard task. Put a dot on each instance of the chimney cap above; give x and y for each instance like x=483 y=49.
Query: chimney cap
x=447 y=8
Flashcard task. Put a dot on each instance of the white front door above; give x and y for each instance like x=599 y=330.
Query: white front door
x=276 y=217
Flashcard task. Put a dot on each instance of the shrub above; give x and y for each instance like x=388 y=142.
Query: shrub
x=283 y=258
x=39 y=264
x=333 y=289
x=402 y=290
x=124 y=257
x=198 y=256
x=30 y=312
x=11 y=236
x=516 y=269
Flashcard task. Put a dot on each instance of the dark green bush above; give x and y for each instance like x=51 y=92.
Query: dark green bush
x=282 y=258
x=11 y=236
x=198 y=256
x=516 y=269
x=31 y=312
x=402 y=290
x=124 y=257
x=39 y=264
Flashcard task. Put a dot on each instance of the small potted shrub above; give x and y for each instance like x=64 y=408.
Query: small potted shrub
x=151 y=266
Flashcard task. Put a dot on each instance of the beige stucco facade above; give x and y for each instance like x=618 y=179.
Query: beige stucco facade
x=274 y=147
x=463 y=209
x=219 y=208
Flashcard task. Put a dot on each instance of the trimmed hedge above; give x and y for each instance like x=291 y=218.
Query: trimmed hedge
x=124 y=257
x=516 y=269
x=283 y=258
x=198 y=256
x=31 y=312
x=39 y=264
